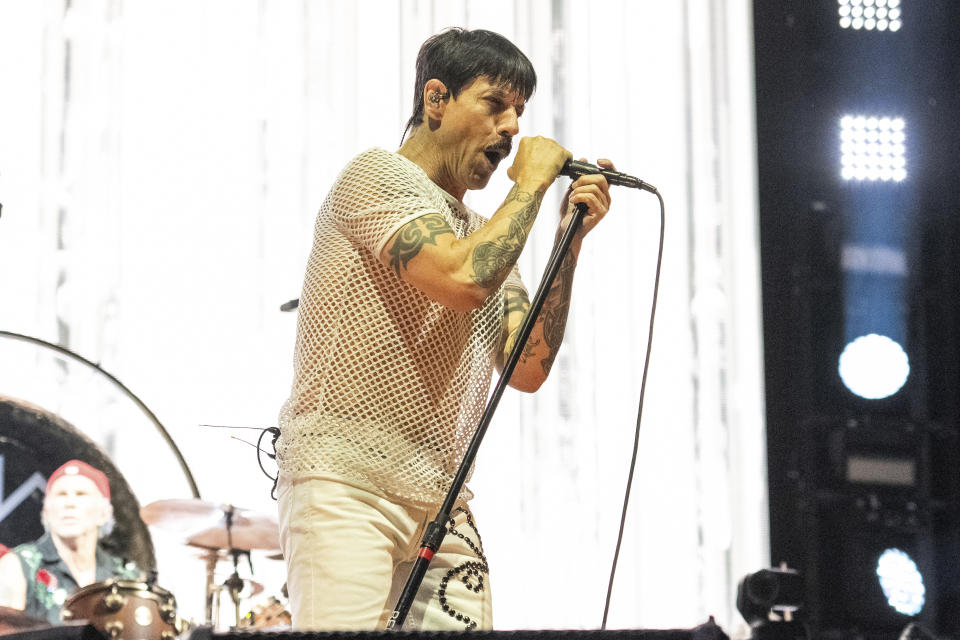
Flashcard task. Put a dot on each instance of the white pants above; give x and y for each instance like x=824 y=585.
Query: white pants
x=349 y=553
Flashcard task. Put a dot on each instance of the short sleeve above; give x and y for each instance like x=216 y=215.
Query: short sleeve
x=376 y=194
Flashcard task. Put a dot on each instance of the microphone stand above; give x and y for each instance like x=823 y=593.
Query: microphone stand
x=437 y=529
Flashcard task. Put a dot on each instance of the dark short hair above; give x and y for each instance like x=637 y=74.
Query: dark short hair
x=456 y=57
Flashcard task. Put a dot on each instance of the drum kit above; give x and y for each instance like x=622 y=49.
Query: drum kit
x=218 y=533
x=132 y=610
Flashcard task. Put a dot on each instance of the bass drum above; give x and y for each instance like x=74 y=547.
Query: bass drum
x=125 y=610
x=33 y=443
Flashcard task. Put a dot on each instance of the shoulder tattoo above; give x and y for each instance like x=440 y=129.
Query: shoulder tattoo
x=413 y=236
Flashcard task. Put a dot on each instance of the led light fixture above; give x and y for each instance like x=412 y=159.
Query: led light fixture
x=872 y=148
x=901 y=582
x=870 y=15
x=874 y=367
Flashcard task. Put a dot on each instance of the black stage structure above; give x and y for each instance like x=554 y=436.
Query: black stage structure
x=706 y=631
x=847 y=250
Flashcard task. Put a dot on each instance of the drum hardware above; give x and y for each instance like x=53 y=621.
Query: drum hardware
x=238 y=588
x=235 y=583
x=222 y=532
x=126 y=610
x=113 y=628
x=114 y=601
x=212 y=591
x=246 y=588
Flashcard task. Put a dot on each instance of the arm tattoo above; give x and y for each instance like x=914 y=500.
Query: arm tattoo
x=514 y=301
x=491 y=259
x=529 y=349
x=555 y=310
x=552 y=318
x=413 y=235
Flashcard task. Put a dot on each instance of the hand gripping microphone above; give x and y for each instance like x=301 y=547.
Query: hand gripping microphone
x=574 y=169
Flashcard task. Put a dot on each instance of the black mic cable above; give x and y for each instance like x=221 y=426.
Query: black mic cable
x=643 y=388
x=574 y=169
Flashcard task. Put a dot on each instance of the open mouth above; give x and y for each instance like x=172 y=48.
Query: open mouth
x=498 y=151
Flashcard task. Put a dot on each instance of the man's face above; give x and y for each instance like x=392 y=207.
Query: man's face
x=74 y=506
x=476 y=132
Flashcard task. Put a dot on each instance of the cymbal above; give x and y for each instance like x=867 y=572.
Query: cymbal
x=204 y=524
x=15 y=620
x=190 y=513
x=223 y=555
x=244 y=538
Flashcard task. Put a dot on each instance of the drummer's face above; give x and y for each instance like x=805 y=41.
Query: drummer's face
x=74 y=506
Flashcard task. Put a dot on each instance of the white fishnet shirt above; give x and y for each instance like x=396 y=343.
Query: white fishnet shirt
x=388 y=385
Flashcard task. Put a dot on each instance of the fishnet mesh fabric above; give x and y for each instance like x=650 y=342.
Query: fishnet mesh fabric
x=388 y=385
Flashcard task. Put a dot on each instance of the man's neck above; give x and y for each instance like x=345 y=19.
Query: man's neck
x=420 y=149
x=79 y=554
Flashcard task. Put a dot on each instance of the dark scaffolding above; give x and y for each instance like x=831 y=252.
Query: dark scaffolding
x=851 y=477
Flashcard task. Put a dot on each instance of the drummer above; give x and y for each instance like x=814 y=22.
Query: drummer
x=37 y=577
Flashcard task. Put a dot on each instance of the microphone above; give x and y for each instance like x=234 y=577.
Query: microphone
x=574 y=169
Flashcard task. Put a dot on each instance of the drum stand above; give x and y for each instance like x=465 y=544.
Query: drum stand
x=234 y=583
x=212 y=608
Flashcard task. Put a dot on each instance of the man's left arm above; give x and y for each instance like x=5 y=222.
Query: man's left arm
x=542 y=346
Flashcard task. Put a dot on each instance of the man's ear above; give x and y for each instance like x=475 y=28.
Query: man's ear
x=106 y=512
x=435 y=99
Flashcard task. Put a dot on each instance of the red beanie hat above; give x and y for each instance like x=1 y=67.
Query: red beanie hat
x=81 y=468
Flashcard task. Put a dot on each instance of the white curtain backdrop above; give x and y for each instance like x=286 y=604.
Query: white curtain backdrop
x=161 y=164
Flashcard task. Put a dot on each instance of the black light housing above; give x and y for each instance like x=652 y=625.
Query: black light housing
x=771 y=601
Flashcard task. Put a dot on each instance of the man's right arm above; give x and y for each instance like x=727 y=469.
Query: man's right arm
x=461 y=273
x=13 y=584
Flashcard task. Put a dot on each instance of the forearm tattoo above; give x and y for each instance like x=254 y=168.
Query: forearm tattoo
x=492 y=259
x=552 y=319
x=529 y=349
x=555 y=309
x=412 y=237
x=515 y=301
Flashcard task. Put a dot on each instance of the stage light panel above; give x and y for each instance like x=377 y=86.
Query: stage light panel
x=870 y=15
x=901 y=582
x=872 y=148
x=874 y=366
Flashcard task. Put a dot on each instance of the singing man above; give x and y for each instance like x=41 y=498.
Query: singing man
x=410 y=300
